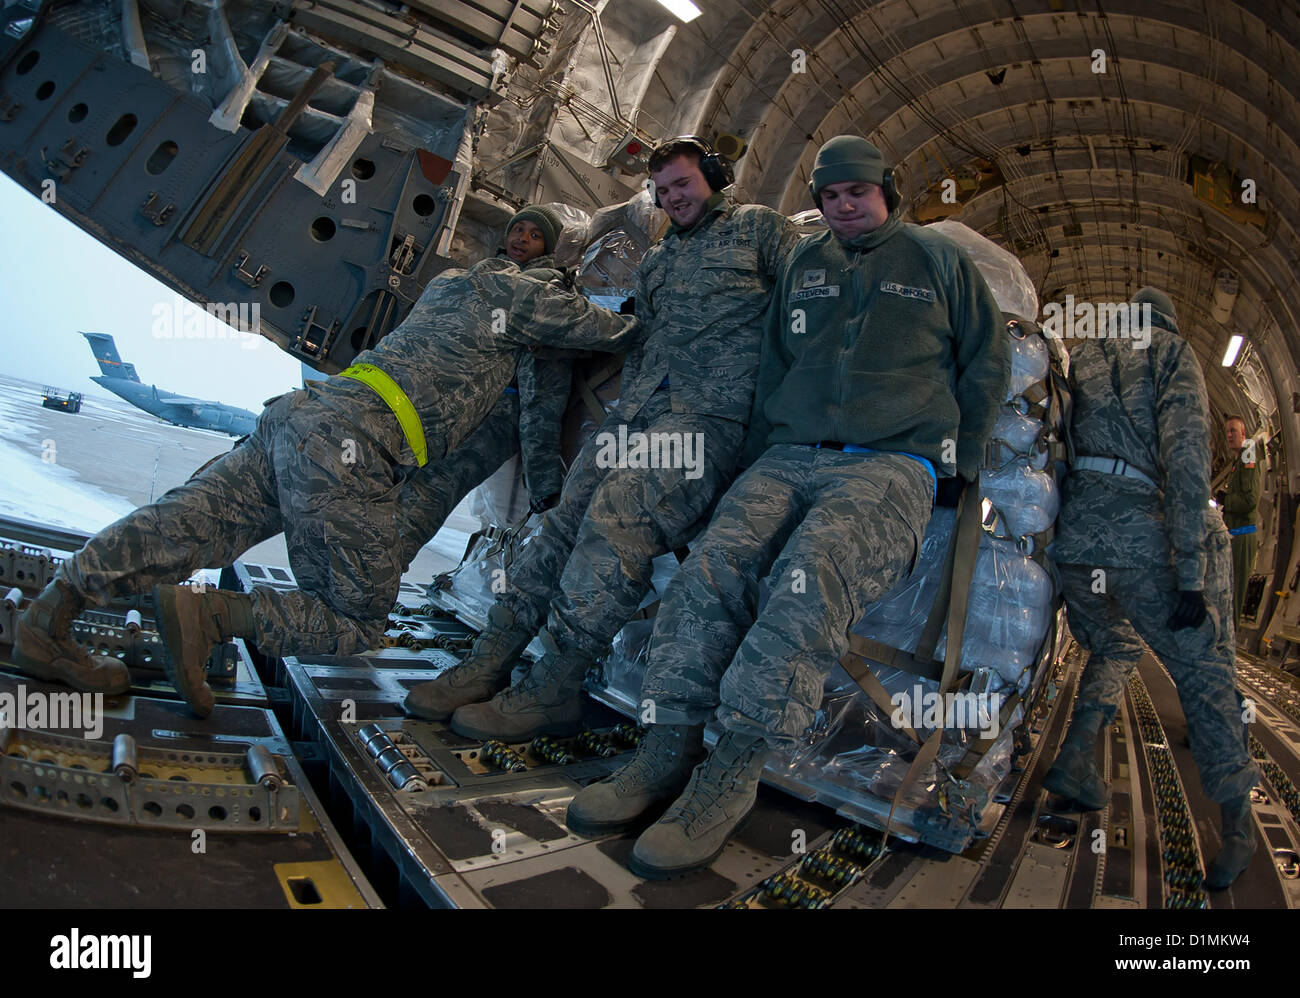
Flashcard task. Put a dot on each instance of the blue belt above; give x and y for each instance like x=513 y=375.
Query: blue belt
x=511 y=390
x=1249 y=528
x=855 y=449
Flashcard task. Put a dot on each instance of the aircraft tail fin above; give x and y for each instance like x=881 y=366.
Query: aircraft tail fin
x=110 y=363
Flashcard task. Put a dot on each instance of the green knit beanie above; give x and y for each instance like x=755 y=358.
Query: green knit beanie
x=1159 y=302
x=545 y=219
x=845 y=158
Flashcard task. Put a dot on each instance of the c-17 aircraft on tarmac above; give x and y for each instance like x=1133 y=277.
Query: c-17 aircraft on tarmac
x=120 y=378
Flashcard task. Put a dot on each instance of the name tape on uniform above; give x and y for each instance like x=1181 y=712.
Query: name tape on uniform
x=825 y=291
x=920 y=294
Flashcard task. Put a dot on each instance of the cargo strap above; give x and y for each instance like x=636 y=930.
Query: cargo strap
x=925 y=755
x=1031 y=545
x=999 y=453
x=586 y=385
x=391 y=392
x=949 y=607
x=896 y=658
x=1035 y=401
x=590 y=400
x=977 y=751
x=954 y=589
x=860 y=672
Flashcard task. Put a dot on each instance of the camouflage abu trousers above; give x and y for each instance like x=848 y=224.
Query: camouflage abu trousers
x=1201 y=661
x=438 y=488
x=832 y=533
x=591 y=558
x=329 y=484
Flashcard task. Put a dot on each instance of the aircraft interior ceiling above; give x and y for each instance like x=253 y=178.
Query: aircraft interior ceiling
x=1094 y=166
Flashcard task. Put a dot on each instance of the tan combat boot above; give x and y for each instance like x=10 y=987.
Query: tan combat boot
x=722 y=791
x=1074 y=774
x=44 y=648
x=656 y=775
x=1238 y=844
x=484 y=672
x=191 y=620
x=548 y=701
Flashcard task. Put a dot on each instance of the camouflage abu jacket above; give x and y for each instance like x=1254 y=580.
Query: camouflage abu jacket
x=458 y=348
x=1147 y=407
x=701 y=296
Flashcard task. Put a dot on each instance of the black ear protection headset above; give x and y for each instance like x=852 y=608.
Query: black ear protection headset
x=888 y=184
x=716 y=169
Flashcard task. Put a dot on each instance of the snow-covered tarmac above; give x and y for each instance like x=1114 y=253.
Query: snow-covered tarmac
x=83 y=471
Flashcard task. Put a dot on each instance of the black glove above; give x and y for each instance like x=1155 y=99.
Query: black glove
x=541 y=505
x=1221 y=497
x=628 y=307
x=1190 y=611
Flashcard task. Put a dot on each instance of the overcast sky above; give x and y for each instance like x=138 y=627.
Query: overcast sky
x=56 y=281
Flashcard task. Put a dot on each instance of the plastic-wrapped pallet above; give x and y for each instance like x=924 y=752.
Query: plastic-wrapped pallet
x=854 y=757
x=856 y=746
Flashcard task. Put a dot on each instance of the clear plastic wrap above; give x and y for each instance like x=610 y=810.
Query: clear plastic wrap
x=1009 y=612
x=1026 y=500
x=1002 y=270
x=897 y=619
x=617 y=238
x=854 y=745
x=1018 y=438
x=1030 y=363
x=853 y=756
x=610 y=263
x=573 y=237
x=502 y=498
x=642 y=218
x=637 y=216
x=809 y=222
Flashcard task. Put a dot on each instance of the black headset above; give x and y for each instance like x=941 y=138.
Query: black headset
x=888 y=184
x=716 y=169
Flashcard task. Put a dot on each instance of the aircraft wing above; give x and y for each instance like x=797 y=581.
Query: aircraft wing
x=184 y=402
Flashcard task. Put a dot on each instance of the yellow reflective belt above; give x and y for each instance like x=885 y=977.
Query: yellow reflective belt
x=389 y=390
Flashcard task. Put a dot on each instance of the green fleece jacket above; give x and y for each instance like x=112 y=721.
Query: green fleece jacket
x=1242 y=505
x=892 y=341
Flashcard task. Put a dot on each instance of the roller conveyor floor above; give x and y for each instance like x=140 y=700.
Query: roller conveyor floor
x=426 y=818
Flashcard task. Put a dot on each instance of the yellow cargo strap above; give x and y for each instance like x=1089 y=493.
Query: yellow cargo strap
x=388 y=390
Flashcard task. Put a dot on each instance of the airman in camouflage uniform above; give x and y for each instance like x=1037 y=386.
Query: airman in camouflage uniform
x=1240 y=502
x=527 y=421
x=701 y=295
x=1143 y=556
x=526 y=418
x=882 y=341
x=329 y=466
